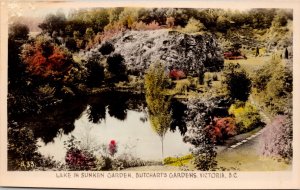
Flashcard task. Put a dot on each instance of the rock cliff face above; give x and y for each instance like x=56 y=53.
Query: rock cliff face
x=190 y=53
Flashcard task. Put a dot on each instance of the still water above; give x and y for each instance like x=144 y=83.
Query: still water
x=95 y=121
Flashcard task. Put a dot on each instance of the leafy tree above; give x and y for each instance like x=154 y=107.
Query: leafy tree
x=193 y=26
x=106 y=48
x=158 y=104
x=222 y=24
x=170 y=22
x=199 y=114
x=237 y=82
x=286 y=54
x=71 y=44
x=89 y=33
x=117 y=67
x=54 y=22
x=45 y=59
x=95 y=71
x=128 y=17
x=18 y=31
x=17 y=36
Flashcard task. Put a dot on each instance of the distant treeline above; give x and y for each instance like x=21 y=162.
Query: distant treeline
x=97 y=20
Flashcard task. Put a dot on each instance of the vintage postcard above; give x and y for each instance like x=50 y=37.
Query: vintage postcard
x=150 y=94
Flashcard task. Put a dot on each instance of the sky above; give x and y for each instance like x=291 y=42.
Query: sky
x=35 y=8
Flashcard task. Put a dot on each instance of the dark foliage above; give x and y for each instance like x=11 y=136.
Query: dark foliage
x=116 y=67
x=71 y=44
x=18 y=31
x=95 y=73
x=238 y=82
x=199 y=114
x=106 y=48
x=54 y=22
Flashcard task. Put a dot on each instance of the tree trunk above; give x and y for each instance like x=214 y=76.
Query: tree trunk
x=162 y=151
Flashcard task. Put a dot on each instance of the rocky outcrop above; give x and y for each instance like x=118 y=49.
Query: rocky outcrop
x=190 y=53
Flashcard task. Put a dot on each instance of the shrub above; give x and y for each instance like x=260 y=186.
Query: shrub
x=46 y=59
x=193 y=26
x=179 y=161
x=77 y=158
x=274 y=84
x=112 y=148
x=71 y=44
x=246 y=116
x=23 y=151
x=198 y=116
x=237 y=82
x=221 y=128
x=182 y=86
x=170 y=22
x=276 y=141
x=95 y=71
x=117 y=67
x=106 y=48
x=177 y=74
x=279 y=90
x=111 y=30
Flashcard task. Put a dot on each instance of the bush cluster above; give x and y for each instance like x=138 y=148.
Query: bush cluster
x=237 y=81
x=221 y=129
x=246 y=116
x=276 y=140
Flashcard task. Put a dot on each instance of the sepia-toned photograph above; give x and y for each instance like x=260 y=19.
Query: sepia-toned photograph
x=147 y=93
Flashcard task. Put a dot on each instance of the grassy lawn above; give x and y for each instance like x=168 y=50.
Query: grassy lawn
x=252 y=63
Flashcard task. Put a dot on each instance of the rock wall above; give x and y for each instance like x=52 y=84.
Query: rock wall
x=189 y=53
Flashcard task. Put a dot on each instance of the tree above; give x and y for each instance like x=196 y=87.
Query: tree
x=257 y=52
x=193 y=26
x=286 y=54
x=170 y=22
x=45 y=59
x=157 y=103
x=237 y=82
x=54 y=22
x=106 y=48
x=199 y=114
x=117 y=67
x=18 y=31
x=17 y=36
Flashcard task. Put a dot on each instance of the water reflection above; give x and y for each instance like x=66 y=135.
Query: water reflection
x=98 y=119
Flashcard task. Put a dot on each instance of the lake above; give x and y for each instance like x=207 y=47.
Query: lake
x=96 y=120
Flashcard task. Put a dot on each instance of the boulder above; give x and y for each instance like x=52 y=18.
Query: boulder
x=186 y=52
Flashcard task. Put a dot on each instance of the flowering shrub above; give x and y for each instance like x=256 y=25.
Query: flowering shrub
x=46 y=59
x=112 y=148
x=199 y=113
x=246 y=116
x=76 y=158
x=276 y=140
x=221 y=129
x=177 y=74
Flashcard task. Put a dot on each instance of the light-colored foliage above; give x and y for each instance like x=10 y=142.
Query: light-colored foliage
x=157 y=102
